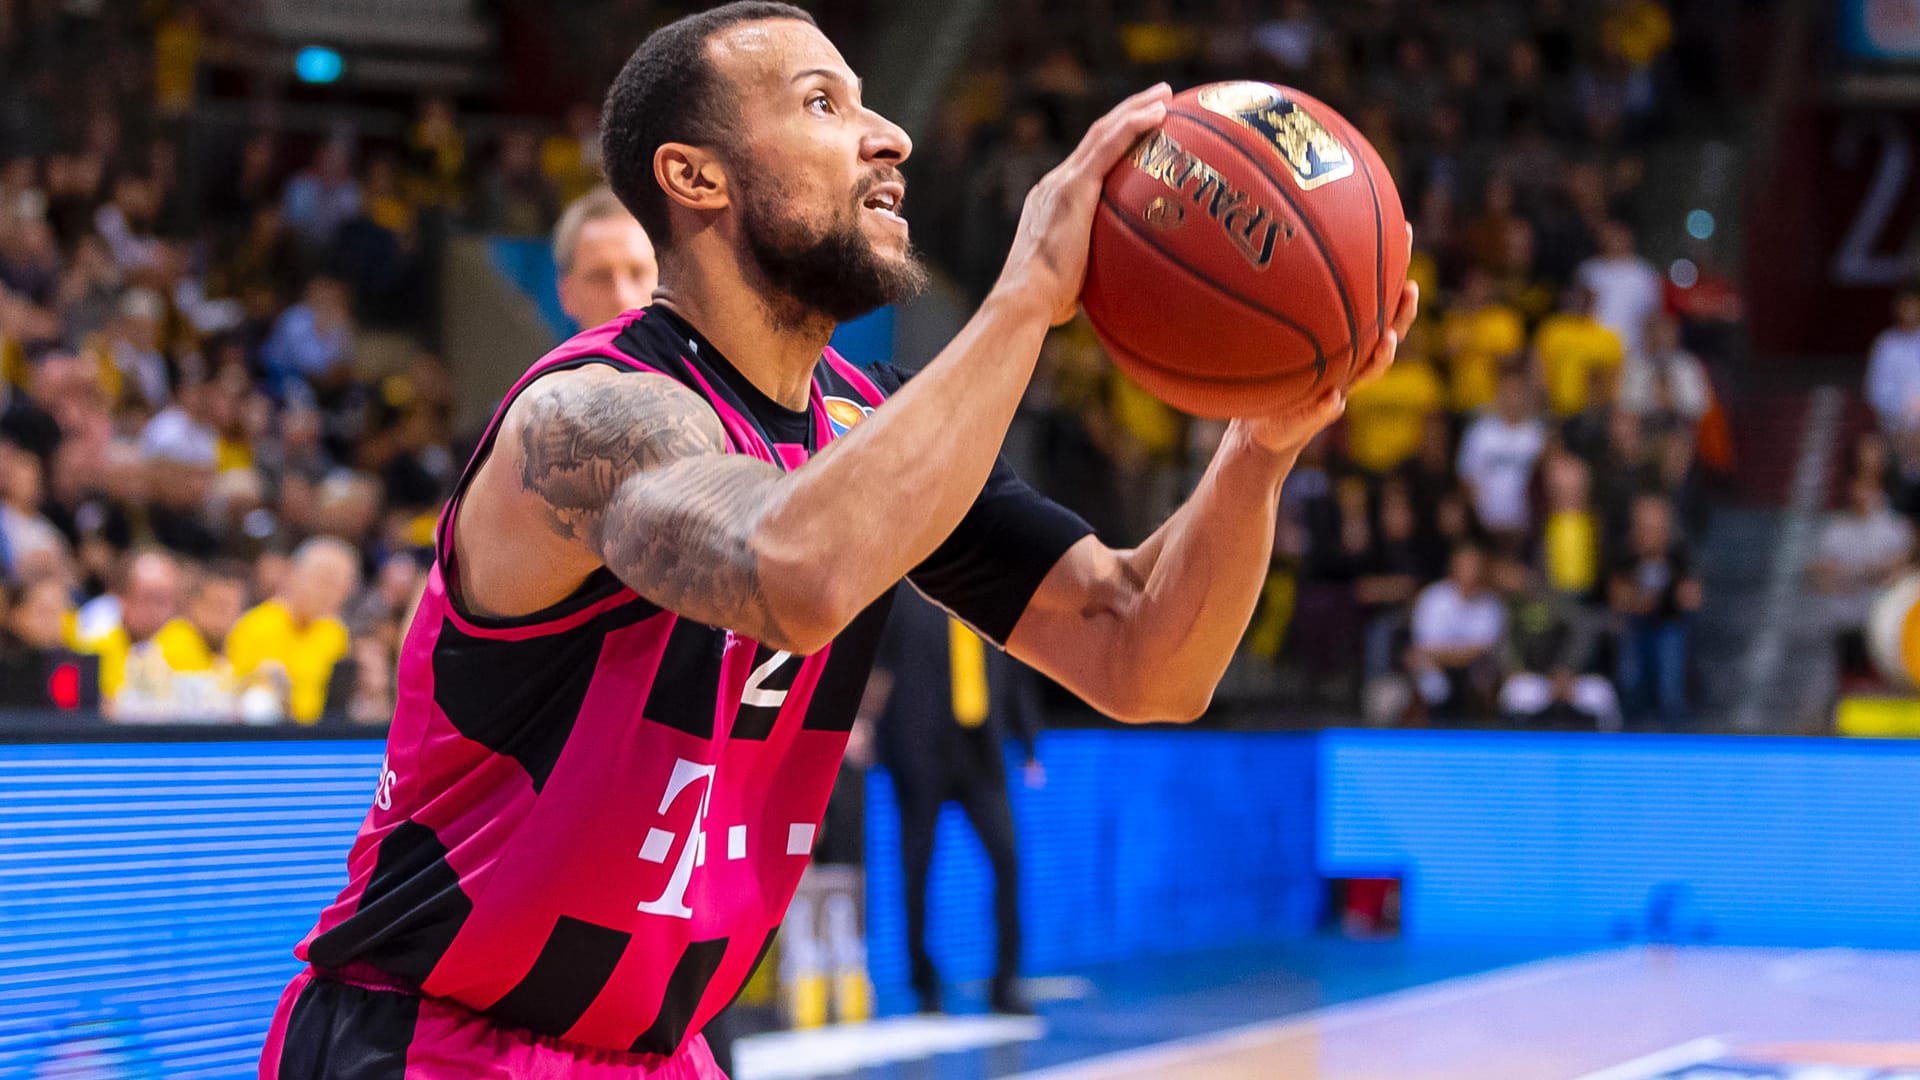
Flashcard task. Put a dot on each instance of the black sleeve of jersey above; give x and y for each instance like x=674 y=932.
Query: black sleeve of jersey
x=995 y=559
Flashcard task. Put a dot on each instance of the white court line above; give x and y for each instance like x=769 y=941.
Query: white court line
x=1697 y=1052
x=1333 y=1017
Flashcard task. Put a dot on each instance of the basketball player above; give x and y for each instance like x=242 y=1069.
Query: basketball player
x=658 y=585
x=605 y=261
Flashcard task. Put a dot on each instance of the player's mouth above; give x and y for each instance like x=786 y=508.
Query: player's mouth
x=883 y=201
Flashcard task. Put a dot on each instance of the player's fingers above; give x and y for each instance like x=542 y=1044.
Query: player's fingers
x=1408 y=310
x=1409 y=241
x=1381 y=360
x=1113 y=134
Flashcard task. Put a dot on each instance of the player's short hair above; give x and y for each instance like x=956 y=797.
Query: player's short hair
x=596 y=205
x=669 y=92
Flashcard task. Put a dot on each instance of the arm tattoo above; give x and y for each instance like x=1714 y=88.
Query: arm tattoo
x=635 y=468
x=583 y=438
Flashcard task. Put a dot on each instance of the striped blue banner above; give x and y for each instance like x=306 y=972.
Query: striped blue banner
x=151 y=896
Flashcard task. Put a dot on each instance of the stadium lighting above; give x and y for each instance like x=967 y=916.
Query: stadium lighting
x=1700 y=225
x=317 y=64
x=1683 y=273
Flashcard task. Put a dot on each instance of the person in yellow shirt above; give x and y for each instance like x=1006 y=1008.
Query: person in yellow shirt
x=1573 y=348
x=1637 y=31
x=149 y=599
x=196 y=640
x=298 y=634
x=1387 y=418
x=1477 y=335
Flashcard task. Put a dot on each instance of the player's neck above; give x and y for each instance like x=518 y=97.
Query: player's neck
x=775 y=351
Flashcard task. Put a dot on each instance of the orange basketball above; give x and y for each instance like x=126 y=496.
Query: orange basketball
x=1247 y=254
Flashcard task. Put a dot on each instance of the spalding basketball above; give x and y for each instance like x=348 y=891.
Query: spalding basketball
x=1246 y=255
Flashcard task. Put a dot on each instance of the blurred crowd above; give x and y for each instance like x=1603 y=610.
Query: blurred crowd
x=223 y=441
x=1507 y=527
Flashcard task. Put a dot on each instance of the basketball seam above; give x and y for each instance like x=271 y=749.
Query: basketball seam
x=1306 y=223
x=1126 y=221
x=1379 y=251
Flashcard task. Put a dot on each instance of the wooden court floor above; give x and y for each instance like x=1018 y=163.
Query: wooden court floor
x=1627 y=1014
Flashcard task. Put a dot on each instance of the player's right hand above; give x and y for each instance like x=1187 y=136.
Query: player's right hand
x=1048 y=262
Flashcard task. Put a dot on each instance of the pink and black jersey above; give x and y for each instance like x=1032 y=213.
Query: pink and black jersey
x=591 y=820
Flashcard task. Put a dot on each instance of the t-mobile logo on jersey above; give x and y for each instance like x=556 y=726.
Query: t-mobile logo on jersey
x=658 y=845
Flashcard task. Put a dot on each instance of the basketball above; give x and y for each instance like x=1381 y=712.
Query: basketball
x=1247 y=254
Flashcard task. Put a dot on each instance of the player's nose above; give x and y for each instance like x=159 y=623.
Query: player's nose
x=885 y=141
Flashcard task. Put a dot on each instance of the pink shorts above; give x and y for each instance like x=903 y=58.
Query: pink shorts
x=358 y=1024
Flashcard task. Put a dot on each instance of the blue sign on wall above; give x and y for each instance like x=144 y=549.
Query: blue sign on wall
x=151 y=896
x=1631 y=837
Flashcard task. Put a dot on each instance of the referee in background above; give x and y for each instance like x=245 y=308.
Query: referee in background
x=946 y=703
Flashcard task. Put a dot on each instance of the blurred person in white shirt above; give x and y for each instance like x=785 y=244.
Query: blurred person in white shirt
x=1626 y=287
x=1458 y=623
x=1667 y=379
x=1862 y=549
x=1893 y=379
x=1497 y=456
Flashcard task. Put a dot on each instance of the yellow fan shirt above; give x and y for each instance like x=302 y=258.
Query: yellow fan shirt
x=309 y=653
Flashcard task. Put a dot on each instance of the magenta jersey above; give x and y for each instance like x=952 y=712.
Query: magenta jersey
x=591 y=820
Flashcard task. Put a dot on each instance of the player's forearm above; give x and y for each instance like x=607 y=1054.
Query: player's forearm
x=1200 y=576
x=853 y=521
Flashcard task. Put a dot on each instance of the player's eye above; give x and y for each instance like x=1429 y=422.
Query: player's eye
x=820 y=103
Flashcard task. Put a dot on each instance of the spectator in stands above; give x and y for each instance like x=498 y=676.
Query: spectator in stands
x=605 y=261
x=1003 y=180
x=297 y=635
x=514 y=198
x=1667 y=385
x=1497 y=456
x=571 y=160
x=312 y=342
x=1551 y=646
x=1893 y=379
x=324 y=196
x=1571 y=532
x=30 y=547
x=1387 y=418
x=1653 y=592
x=131 y=366
x=1625 y=287
x=33 y=644
x=126 y=224
x=1390 y=576
x=1573 y=349
x=150 y=597
x=180 y=452
x=436 y=156
x=1478 y=334
x=1457 y=626
x=215 y=601
x=1291 y=38
x=1862 y=549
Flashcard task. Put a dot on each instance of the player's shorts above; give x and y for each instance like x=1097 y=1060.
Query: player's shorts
x=357 y=1024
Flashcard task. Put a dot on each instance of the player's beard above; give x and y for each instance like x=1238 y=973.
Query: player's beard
x=826 y=271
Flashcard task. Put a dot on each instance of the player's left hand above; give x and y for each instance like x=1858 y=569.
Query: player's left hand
x=1285 y=432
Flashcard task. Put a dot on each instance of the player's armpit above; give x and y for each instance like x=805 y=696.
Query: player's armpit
x=634 y=468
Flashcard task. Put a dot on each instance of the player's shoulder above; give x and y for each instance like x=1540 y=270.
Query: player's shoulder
x=596 y=404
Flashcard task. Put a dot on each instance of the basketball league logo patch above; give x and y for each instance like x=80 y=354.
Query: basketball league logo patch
x=843 y=413
x=1311 y=153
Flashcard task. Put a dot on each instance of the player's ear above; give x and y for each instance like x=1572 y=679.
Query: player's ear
x=692 y=176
